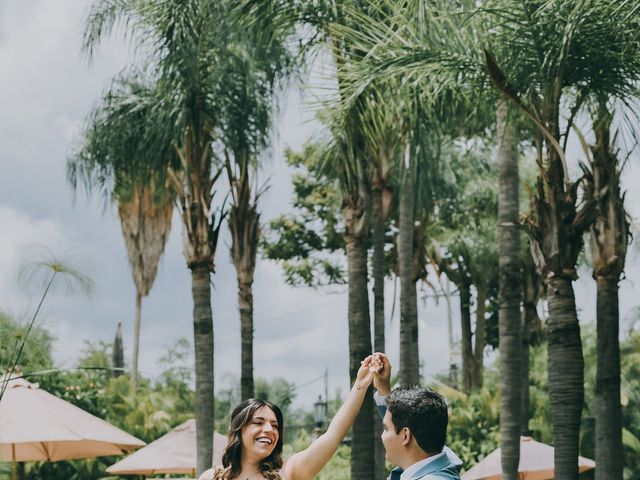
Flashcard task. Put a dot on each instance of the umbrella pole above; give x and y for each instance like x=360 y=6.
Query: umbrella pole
x=14 y=468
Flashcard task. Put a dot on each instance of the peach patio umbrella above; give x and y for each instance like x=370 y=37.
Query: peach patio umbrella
x=536 y=463
x=174 y=452
x=35 y=425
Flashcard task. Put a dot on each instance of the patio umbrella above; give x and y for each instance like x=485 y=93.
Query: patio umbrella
x=35 y=425
x=174 y=452
x=536 y=463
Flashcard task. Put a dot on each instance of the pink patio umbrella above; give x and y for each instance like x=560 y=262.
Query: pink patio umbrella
x=174 y=452
x=35 y=425
x=536 y=463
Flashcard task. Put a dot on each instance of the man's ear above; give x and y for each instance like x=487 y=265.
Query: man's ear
x=407 y=437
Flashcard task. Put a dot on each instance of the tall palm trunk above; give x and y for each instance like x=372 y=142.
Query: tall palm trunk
x=136 y=341
x=465 y=340
x=566 y=375
x=480 y=338
x=203 y=342
x=244 y=223
x=531 y=331
x=362 y=446
x=245 y=301
x=608 y=241
x=379 y=213
x=201 y=231
x=377 y=261
x=555 y=228
x=609 y=451
x=409 y=373
x=510 y=293
x=525 y=373
x=556 y=237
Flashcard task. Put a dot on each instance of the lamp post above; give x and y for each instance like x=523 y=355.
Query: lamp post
x=320 y=412
x=319 y=416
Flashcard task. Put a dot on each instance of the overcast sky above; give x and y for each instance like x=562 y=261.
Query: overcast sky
x=46 y=91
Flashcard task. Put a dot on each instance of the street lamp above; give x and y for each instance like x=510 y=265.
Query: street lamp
x=320 y=412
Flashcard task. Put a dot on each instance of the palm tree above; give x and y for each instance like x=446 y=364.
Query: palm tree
x=538 y=86
x=260 y=65
x=535 y=53
x=510 y=294
x=183 y=46
x=609 y=236
x=409 y=355
x=347 y=159
x=343 y=162
x=146 y=223
x=245 y=229
x=144 y=205
x=531 y=333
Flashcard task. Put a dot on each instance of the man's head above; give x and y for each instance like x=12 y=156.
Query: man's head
x=416 y=420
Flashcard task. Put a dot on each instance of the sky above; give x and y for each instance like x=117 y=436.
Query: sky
x=46 y=91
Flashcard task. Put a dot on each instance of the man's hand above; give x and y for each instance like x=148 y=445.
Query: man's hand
x=382 y=375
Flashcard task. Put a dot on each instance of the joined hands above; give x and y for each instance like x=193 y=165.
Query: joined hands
x=375 y=369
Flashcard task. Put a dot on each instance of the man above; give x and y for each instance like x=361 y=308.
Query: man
x=415 y=429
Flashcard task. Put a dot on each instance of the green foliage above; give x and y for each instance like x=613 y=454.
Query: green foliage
x=277 y=391
x=96 y=355
x=339 y=467
x=308 y=243
x=474 y=419
x=463 y=234
x=36 y=354
x=474 y=427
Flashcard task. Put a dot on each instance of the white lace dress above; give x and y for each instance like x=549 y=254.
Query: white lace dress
x=215 y=473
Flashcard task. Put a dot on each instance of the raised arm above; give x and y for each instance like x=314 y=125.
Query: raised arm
x=306 y=464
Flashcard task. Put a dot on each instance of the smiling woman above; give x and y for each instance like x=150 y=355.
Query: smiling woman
x=255 y=435
x=254 y=450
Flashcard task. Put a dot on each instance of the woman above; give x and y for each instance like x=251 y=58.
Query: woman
x=254 y=451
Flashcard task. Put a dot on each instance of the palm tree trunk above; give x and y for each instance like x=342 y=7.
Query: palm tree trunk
x=377 y=261
x=466 y=347
x=609 y=451
x=566 y=376
x=510 y=293
x=409 y=356
x=609 y=237
x=531 y=331
x=203 y=342
x=524 y=373
x=480 y=335
x=136 y=341
x=362 y=446
x=245 y=299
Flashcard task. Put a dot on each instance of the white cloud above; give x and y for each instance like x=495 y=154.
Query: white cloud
x=19 y=234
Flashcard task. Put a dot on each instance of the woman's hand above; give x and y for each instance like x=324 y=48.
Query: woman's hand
x=369 y=367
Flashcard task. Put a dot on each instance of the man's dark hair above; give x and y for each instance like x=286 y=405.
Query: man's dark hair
x=422 y=411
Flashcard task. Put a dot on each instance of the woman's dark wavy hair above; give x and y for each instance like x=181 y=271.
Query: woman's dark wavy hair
x=240 y=417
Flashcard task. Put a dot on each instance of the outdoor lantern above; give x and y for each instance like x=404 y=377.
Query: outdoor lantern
x=320 y=412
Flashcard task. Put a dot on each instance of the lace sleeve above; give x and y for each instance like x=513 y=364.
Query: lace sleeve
x=214 y=473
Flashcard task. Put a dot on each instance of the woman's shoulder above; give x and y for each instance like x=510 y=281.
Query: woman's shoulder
x=214 y=473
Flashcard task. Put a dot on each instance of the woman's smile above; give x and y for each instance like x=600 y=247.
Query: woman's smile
x=261 y=432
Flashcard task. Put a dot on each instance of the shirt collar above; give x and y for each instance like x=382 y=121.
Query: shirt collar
x=413 y=469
